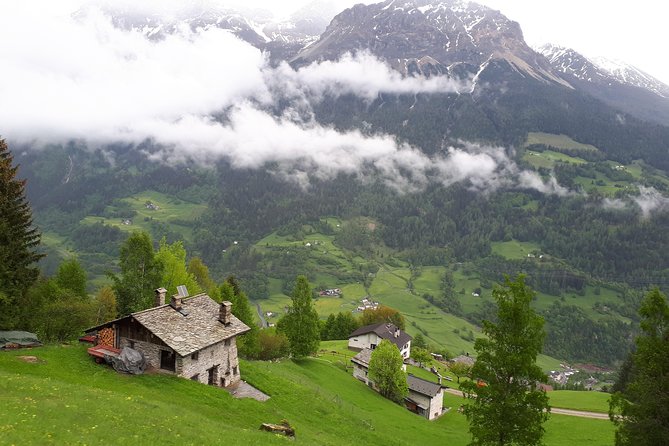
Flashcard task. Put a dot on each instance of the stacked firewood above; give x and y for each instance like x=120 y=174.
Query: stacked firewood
x=106 y=337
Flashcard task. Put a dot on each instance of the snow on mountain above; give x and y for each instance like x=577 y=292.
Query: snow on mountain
x=430 y=37
x=600 y=70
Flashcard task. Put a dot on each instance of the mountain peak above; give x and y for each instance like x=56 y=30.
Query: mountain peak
x=601 y=70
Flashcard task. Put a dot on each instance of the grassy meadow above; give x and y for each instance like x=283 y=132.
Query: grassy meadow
x=65 y=398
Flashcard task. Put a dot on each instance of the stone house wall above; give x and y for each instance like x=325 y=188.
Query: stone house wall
x=151 y=351
x=221 y=357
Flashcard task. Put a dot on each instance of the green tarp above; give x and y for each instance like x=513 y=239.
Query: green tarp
x=17 y=339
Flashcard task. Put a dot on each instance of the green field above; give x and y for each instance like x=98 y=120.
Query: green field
x=548 y=158
x=66 y=398
x=588 y=401
x=514 y=249
x=171 y=211
x=557 y=141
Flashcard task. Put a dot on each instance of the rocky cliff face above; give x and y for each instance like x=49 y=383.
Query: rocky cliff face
x=430 y=37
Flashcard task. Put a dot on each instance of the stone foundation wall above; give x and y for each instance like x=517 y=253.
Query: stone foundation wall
x=151 y=351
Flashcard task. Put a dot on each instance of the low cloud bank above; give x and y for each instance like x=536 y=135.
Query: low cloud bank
x=66 y=77
x=648 y=202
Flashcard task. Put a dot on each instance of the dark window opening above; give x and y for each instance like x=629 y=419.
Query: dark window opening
x=234 y=370
x=132 y=344
x=195 y=377
x=195 y=356
x=167 y=360
x=211 y=379
x=227 y=342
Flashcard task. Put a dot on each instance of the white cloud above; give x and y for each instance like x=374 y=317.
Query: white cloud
x=648 y=201
x=64 y=78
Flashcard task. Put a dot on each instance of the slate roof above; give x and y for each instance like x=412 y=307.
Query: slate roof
x=384 y=330
x=363 y=357
x=423 y=386
x=194 y=328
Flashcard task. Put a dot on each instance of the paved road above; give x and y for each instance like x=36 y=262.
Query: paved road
x=263 y=321
x=556 y=410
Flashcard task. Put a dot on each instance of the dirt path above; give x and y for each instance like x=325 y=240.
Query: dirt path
x=555 y=410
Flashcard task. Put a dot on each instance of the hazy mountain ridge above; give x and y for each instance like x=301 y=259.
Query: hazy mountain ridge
x=619 y=84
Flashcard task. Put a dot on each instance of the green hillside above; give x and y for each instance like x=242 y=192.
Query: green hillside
x=65 y=398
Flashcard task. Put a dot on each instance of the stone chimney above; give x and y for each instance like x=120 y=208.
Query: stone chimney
x=160 y=297
x=397 y=332
x=225 y=312
x=176 y=302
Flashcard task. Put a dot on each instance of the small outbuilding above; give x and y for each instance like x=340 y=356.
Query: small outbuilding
x=425 y=397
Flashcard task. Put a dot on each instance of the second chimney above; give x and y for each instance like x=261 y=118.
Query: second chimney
x=160 y=297
x=176 y=302
x=225 y=312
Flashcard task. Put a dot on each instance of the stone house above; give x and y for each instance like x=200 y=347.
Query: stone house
x=192 y=337
x=361 y=366
x=370 y=336
x=425 y=397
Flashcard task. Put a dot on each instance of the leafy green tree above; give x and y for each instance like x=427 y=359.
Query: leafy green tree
x=19 y=240
x=248 y=343
x=300 y=324
x=460 y=369
x=385 y=369
x=141 y=274
x=507 y=406
x=382 y=314
x=641 y=410
x=105 y=305
x=421 y=355
x=419 y=341
x=71 y=276
x=200 y=272
x=172 y=257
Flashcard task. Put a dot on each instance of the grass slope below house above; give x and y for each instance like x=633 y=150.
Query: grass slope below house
x=66 y=398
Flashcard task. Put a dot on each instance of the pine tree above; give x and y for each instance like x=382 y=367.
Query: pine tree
x=141 y=274
x=248 y=343
x=19 y=240
x=641 y=410
x=300 y=324
x=507 y=406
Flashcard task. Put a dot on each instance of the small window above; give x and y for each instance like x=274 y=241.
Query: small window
x=195 y=356
x=132 y=344
x=227 y=342
x=195 y=377
x=234 y=370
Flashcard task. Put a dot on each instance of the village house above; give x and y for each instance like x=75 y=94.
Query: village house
x=370 y=336
x=425 y=397
x=192 y=337
x=361 y=366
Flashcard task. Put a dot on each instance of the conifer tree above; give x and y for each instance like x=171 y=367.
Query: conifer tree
x=248 y=343
x=641 y=410
x=19 y=240
x=507 y=406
